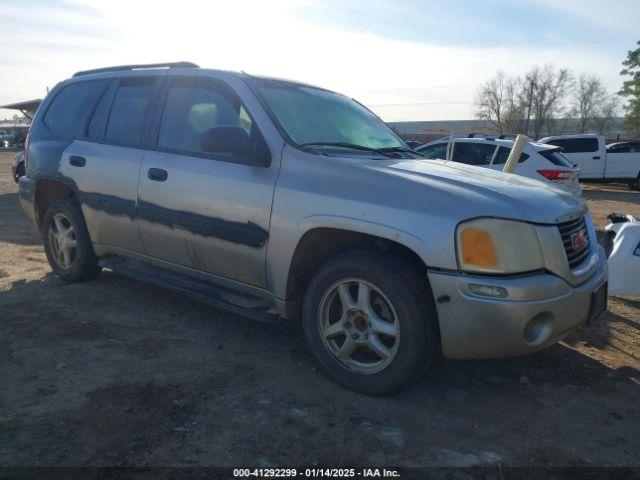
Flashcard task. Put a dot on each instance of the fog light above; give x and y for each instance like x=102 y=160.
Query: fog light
x=488 y=291
x=538 y=329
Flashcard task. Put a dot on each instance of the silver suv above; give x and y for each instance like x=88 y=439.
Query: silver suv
x=282 y=200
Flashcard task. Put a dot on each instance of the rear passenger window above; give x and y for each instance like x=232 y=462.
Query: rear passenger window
x=576 y=145
x=100 y=116
x=503 y=154
x=129 y=110
x=473 y=153
x=70 y=109
x=191 y=110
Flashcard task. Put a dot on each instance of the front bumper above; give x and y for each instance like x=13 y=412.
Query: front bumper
x=541 y=309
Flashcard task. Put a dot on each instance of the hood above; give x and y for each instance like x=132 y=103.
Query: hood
x=481 y=191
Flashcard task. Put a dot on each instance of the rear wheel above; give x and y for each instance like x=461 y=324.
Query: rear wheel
x=370 y=322
x=67 y=243
x=635 y=184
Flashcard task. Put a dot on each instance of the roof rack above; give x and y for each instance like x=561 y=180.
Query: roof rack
x=120 y=68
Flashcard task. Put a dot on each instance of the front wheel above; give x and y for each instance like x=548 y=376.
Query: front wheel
x=67 y=243
x=370 y=322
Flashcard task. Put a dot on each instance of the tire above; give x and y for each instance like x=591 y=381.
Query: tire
x=399 y=295
x=80 y=262
x=635 y=185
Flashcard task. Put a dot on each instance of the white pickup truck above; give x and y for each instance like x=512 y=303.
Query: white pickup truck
x=598 y=161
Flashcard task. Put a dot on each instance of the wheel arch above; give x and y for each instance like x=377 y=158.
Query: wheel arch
x=48 y=190
x=324 y=240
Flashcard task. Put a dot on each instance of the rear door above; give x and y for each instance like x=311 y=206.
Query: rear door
x=623 y=161
x=105 y=162
x=207 y=212
x=585 y=152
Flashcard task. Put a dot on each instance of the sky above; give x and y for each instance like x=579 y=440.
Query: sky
x=404 y=59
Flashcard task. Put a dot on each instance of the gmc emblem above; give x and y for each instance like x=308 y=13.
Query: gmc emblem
x=579 y=240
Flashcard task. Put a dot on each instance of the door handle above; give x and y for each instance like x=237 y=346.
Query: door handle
x=596 y=158
x=77 y=161
x=157 y=174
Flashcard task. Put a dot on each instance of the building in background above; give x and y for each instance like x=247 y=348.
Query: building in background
x=14 y=130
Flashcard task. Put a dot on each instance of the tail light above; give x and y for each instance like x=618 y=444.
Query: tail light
x=559 y=176
x=26 y=151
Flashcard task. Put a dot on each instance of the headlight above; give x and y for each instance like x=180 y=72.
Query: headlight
x=491 y=245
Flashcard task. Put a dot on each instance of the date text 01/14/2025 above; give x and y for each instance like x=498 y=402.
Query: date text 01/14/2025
x=315 y=473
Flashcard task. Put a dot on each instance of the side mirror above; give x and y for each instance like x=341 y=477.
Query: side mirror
x=234 y=141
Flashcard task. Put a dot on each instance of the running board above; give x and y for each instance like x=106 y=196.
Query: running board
x=224 y=298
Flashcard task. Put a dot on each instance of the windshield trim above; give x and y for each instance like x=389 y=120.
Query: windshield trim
x=251 y=83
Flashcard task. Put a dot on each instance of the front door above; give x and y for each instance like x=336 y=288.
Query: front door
x=204 y=211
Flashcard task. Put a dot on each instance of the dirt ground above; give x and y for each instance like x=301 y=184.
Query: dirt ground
x=116 y=372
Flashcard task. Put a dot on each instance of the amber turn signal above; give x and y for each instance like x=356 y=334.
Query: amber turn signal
x=477 y=248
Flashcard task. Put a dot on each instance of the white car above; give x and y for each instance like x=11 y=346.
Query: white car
x=616 y=162
x=538 y=161
x=623 y=250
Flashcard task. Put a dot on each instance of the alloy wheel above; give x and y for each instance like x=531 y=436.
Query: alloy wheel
x=63 y=241
x=359 y=326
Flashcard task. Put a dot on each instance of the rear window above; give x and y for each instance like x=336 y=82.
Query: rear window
x=576 y=145
x=503 y=154
x=129 y=111
x=71 y=108
x=556 y=157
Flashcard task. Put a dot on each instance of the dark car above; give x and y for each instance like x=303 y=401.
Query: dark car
x=18 y=166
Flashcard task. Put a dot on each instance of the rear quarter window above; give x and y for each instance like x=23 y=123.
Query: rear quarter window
x=71 y=107
x=576 y=145
x=503 y=154
x=556 y=157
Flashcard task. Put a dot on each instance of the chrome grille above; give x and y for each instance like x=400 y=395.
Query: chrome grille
x=575 y=256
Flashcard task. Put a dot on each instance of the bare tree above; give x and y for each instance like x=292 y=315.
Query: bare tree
x=606 y=110
x=514 y=110
x=588 y=100
x=498 y=102
x=489 y=101
x=551 y=87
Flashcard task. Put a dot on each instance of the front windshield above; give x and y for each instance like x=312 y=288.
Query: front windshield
x=311 y=115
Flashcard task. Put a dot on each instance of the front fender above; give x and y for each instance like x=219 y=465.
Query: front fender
x=366 y=227
x=281 y=250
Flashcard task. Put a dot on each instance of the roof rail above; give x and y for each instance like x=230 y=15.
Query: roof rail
x=120 y=68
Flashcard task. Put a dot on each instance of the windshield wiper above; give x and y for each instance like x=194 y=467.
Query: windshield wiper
x=396 y=149
x=339 y=144
x=383 y=151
